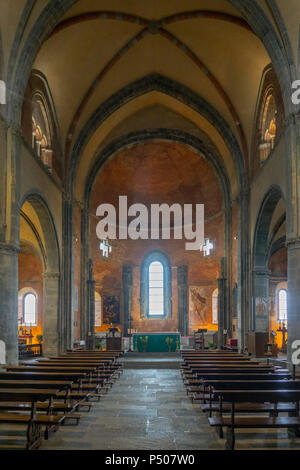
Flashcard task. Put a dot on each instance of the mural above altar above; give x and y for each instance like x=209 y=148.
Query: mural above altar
x=156 y=342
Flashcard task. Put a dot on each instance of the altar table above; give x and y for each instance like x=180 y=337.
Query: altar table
x=156 y=342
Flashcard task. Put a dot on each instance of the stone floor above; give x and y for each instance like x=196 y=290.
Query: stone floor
x=145 y=409
x=149 y=410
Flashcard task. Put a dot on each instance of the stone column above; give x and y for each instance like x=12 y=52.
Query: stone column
x=243 y=304
x=127 y=295
x=182 y=275
x=261 y=282
x=222 y=285
x=51 y=331
x=9 y=302
x=66 y=320
x=293 y=323
x=90 y=338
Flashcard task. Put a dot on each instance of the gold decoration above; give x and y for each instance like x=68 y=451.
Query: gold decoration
x=169 y=342
x=144 y=342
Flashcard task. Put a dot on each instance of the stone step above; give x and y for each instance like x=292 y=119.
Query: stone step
x=151 y=365
x=136 y=360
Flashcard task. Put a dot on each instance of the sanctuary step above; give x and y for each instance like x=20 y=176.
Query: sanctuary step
x=134 y=360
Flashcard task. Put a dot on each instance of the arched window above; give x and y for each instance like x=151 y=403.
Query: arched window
x=156 y=289
x=156 y=286
x=268 y=126
x=29 y=309
x=215 y=307
x=41 y=131
x=282 y=305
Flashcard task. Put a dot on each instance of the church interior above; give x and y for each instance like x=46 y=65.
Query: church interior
x=176 y=103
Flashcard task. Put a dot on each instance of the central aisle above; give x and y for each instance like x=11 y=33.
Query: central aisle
x=145 y=409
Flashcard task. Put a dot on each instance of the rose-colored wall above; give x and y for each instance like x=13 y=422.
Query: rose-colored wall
x=159 y=172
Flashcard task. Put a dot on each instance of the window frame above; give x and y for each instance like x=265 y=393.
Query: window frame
x=215 y=298
x=23 y=309
x=152 y=256
x=149 y=315
x=278 y=305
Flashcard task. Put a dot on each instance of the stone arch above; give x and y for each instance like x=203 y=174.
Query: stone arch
x=268 y=205
x=51 y=276
x=157 y=82
x=261 y=251
x=200 y=146
x=207 y=148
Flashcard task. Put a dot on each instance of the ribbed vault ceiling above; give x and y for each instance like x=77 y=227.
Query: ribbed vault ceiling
x=94 y=52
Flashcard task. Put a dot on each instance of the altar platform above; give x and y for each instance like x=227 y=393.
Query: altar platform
x=146 y=342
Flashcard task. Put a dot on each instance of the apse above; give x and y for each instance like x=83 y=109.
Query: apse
x=155 y=173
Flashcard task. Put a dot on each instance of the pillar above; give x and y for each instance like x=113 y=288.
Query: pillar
x=261 y=283
x=9 y=302
x=66 y=319
x=222 y=294
x=182 y=274
x=51 y=333
x=243 y=292
x=127 y=296
x=90 y=339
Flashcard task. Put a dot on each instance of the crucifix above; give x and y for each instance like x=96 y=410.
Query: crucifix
x=105 y=247
x=207 y=247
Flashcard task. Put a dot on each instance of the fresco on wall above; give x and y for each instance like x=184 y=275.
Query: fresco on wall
x=197 y=306
x=261 y=306
x=111 y=309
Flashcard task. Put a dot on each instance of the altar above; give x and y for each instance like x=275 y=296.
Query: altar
x=156 y=342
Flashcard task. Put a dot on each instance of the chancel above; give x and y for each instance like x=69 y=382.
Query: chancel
x=176 y=124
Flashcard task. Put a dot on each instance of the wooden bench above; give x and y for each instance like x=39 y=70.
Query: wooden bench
x=196 y=384
x=33 y=421
x=233 y=422
x=213 y=385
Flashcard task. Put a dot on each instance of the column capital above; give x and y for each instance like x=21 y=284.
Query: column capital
x=243 y=195
x=182 y=274
x=127 y=275
x=293 y=243
x=51 y=275
x=9 y=248
x=261 y=271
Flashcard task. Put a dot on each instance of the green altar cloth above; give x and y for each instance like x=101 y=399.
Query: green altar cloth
x=156 y=342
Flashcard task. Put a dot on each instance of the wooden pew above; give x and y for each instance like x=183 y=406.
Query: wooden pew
x=25 y=380
x=33 y=421
x=233 y=422
x=274 y=384
x=195 y=386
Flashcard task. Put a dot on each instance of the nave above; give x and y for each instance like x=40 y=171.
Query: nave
x=149 y=409
x=146 y=409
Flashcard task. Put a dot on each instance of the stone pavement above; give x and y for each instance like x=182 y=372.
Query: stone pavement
x=145 y=409
x=149 y=410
